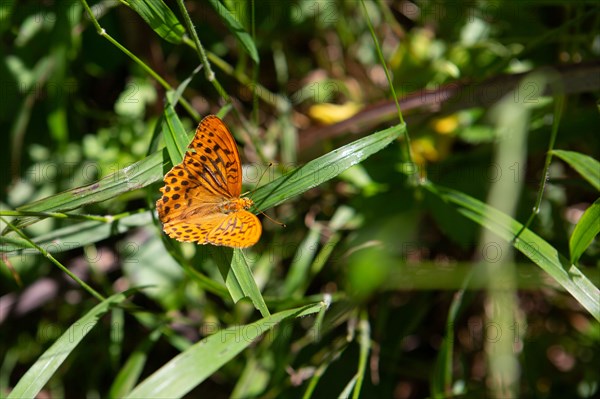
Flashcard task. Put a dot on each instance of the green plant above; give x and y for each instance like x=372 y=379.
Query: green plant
x=404 y=269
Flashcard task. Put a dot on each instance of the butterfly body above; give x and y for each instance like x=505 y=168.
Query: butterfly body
x=201 y=198
x=236 y=204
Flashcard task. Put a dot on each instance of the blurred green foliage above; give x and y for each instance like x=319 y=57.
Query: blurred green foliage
x=389 y=254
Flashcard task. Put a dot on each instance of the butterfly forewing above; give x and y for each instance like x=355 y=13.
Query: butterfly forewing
x=215 y=159
x=178 y=195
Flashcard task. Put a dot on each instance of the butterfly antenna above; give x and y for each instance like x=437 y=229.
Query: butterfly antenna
x=261 y=176
x=264 y=214
x=273 y=220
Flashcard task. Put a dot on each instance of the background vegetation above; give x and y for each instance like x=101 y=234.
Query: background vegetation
x=398 y=273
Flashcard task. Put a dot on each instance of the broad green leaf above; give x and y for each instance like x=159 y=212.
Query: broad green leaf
x=48 y=364
x=586 y=166
x=237 y=29
x=160 y=18
x=190 y=368
x=530 y=244
x=587 y=228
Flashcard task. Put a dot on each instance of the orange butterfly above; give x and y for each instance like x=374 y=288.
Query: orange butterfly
x=201 y=197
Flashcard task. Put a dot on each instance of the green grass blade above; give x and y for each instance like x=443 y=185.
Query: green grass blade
x=244 y=276
x=190 y=368
x=77 y=235
x=253 y=380
x=48 y=364
x=323 y=168
x=133 y=177
x=587 y=228
x=82 y=234
x=298 y=274
x=175 y=136
x=173 y=96
x=530 y=244
x=349 y=387
x=12 y=243
x=364 y=341
x=131 y=371
x=160 y=18
x=338 y=347
x=586 y=166
x=237 y=29
x=441 y=378
x=338 y=221
x=52 y=259
x=223 y=257
x=237 y=275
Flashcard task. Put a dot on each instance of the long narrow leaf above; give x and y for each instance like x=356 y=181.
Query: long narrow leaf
x=530 y=244
x=133 y=177
x=243 y=275
x=160 y=18
x=175 y=136
x=190 y=368
x=587 y=228
x=236 y=28
x=238 y=276
x=298 y=272
x=323 y=168
x=586 y=166
x=77 y=235
x=131 y=371
x=47 y=365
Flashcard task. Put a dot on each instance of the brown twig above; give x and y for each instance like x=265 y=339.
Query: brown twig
x=452 y=97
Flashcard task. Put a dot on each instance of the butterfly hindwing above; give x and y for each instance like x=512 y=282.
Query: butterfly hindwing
x=194 y=230
x=239 y=229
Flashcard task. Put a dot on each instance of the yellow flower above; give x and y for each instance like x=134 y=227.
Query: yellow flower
x=328 y=113
x=445 y=125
